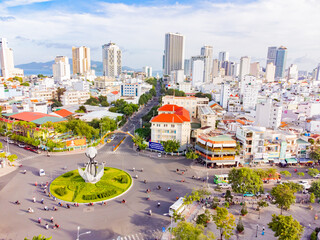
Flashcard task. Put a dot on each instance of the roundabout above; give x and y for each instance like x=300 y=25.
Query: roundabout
x=71 y=187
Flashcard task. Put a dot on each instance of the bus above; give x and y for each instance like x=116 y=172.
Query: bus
x=223 y=178
x=177 y=207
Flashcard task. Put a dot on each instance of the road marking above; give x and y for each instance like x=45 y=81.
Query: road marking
x=27 y=158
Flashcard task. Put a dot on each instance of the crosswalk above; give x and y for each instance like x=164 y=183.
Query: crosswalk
x=147 y=235
x=27 y=158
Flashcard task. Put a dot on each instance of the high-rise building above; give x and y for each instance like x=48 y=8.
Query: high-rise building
x=215 y=68
x=197 y=70
x=81 y=62
x=187 y=67
x=281 y=62
x=223 y=56
x=61 y=68
x=255 y=69
x=293 y=72
x=270 y=72
x=147 y=70
x=244 y=66
x=316 y=73
x=224 y=95
x=272 y=54
x=207 y=52
x=111 y=58
x=6 y=60
x=173 y=52
x=249 y=93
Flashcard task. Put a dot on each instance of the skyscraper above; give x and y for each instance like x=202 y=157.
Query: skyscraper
x=281 y=62
x=244 y=66
x=6 y=59
x=293 y=72
x=223 y=56
x=215 y=68
x=272 y=54
x=173 y=52
x=61 y=68
x=255 y=69
x=81 y=61
x=270 y=72
x=187 y=67
x=197 y=70
x=207 y=52
x=147 y=70
x=111 y=58
x=224 y=95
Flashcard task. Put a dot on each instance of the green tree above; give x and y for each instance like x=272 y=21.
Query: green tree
x=286 y=173
x=313 y=172
x=300 y=174
x=192 y=155
x=41 y=76
x=228 y=197
x=25 y=84
x=245 y=180
x=240 y=227
x=144 y=132
x=171 y=145
x=315 y=188
x=312 y=198
x=55 y=103
x=203 y=95
x=40 y=237
x=284 y=196
x=204 y=218
x=195 y=195
x=225 y=222
x=12 y=157
x=92 y=101
x=262 y=204
x=60 y=92
x=285 y=227
x=295 y=187
x=188 y=231
x=315 y=154
x=82 y=109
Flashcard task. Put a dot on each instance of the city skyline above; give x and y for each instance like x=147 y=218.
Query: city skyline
x=139 y=27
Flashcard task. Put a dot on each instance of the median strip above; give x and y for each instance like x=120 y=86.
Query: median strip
x=116 y=147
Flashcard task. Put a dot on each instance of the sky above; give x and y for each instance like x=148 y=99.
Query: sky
x=39 y=30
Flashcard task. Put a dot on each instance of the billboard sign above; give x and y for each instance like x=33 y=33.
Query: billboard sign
x=156 y=146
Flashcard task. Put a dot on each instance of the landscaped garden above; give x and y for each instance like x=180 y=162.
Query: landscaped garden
x=71 y=187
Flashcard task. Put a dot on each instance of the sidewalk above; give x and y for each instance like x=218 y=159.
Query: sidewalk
x=6 y=170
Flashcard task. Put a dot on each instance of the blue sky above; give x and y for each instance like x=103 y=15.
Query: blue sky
x=39 y=30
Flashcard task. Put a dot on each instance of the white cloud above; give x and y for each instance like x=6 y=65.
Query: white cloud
x=15 y=3
x=241 y=28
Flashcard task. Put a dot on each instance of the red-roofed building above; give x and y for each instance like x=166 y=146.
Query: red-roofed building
x=113 y=96
x=172 y=123
x=62 y=113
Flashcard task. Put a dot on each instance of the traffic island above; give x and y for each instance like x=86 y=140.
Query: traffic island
x=71 y=187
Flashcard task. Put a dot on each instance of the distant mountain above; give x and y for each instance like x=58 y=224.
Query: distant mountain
x=45 y=66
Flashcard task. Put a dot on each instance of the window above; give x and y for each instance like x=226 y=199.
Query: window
x=172 y=125
x=165 y=125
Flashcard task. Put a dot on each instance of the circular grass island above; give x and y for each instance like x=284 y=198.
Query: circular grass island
x=71 y=187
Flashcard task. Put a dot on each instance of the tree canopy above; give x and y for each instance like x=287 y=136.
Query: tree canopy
x=245 y=180
x=123 y=107
x=192 y=155
x=203 y=95
x=175 y=92
x=285 y=227
x=40 y=237
x=315 y=188
x=171 y=145
x=225 y=222
x=188 y=231
x=283 y=195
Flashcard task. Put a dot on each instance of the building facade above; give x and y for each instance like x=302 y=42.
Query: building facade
x=81 y=61
x=244 y=66
x=61 y=68
x=112 y=60
x=130 y=90
x=281 y=62
x=268 y=114
x=173 y=53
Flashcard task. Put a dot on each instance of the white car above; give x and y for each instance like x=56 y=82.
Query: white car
x=317 y=176
x=304 y=183
x=21 y=145
x=159 y=155
x=224 y=185
x=42 y=173
x=10 y=141
x=112 y=137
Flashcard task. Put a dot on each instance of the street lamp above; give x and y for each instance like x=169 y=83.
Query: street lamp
x=257 y=230
x=79 y=234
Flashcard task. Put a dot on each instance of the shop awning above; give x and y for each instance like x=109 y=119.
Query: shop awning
x=225 y=163
x=283 y=162
x=291 y=160
x=305 y=160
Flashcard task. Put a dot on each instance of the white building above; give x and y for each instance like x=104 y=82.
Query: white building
x=172 y=123
x=244 y=66
x=270 y=72
x=197 y=70
x=113 y=96
x=255 y=69
x=177 y=76
x=81 y=86
x=185 y=87
x=268 y=114
x=61 y=69
x=225 y=93
x=250 y=96
x=293 y=72
x=148 y=71
x=223 y=56
x=74 y=97
x=111 y=60
x=7 y=63
x=130 y=90
x=81 y=61
x=310 y=109
x=313 y=125
x=173 y=53
x=207 y=52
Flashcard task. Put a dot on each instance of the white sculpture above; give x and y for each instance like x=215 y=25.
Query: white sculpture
x=92 y=174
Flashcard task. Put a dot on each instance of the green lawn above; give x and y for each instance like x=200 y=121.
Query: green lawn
x=71 y=187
